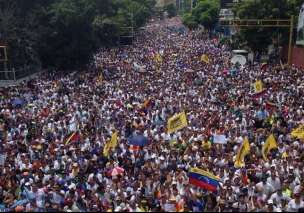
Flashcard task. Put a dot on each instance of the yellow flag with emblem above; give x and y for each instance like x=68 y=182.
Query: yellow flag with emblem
x=243 y=151
x=268 y=146
x=177 y=122
x=205 y=58
x=298 y=132
x=258 y=86
x=106 y=150
x=113 y=142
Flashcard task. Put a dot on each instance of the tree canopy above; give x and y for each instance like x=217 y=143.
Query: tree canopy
x=171 y=10
x=65 y=33
x=206 y=13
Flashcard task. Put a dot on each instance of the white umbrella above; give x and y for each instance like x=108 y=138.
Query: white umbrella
x=239 y=59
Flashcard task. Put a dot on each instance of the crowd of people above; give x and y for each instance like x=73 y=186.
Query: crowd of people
x=160 y=75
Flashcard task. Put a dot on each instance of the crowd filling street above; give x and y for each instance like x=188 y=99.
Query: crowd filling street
x=133 y=91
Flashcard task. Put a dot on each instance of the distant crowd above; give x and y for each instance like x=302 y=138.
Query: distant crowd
x=134 y=90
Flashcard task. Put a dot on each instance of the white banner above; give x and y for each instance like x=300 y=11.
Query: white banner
x=219 y=139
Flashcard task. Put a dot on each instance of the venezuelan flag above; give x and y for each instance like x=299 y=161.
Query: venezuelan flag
x=73 y=137
x=203 y=179
x=264 y=66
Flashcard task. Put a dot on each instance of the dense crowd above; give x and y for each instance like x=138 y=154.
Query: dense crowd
x=134 y=90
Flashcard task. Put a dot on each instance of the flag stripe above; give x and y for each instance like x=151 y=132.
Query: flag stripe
x=203 y=178
x=70 y=138
x=204 y=173
x=202 y=185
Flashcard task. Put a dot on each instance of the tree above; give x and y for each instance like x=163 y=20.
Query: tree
x=206 y=13
x=189 y=21
x=66 y=33
x=171 y=10
x=19 y=30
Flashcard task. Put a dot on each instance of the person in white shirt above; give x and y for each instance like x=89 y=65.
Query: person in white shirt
x=295 y=204
x=265 y=187
x=278 y=198
x=274 y=181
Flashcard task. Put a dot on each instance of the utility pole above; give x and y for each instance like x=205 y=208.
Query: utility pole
x=132 y=17
x=290 y=40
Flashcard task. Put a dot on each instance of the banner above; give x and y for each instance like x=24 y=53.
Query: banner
x=300 y=30
x=205 y=58
x=177 y=122
x=243 y=151
x=219 y=139
x=298 y=132
x=258 y=86
x=269 y=145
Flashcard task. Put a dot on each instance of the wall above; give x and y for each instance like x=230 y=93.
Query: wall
x=298 y=56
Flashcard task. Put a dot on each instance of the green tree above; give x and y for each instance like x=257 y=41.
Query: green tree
x=72 y=36
x=189 y=21
x=171 y=10
x=65 y=33
x=206 y=13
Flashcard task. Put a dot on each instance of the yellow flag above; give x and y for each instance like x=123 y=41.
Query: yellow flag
x=158 y=58
x=113 y=141
x=205 y=58
x=106 y=150
x=177 y=122
x=298 y=132
x=243 y=151
x=258 y=86
x=269 y=145
x=99 y=79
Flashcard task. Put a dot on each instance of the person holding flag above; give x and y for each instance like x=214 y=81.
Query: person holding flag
x=269 y=145
x=243 y=151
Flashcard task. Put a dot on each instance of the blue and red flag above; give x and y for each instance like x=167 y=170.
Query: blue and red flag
x=203 y=179
x=72 y=137
x=264 y=66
